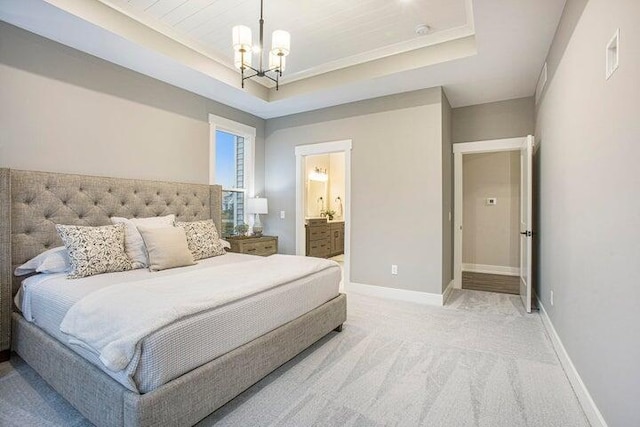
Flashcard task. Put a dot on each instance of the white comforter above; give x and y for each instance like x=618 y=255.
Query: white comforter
x=112 y=321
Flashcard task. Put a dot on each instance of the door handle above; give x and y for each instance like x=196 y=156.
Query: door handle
x=526 y=233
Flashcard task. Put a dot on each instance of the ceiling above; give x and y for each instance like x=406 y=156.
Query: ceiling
x=341 y=51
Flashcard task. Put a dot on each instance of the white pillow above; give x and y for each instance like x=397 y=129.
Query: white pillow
x=133 y=243
x=55 y=260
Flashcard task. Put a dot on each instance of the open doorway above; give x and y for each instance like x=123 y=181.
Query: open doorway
x=477 y=228
x=491 y=218
x=323 y=184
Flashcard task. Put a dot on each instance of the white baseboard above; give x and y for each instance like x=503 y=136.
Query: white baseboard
x=491 y=269
x=584 y=397
x=396 y=294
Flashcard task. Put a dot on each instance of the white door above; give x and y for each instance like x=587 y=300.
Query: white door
x=526 y=220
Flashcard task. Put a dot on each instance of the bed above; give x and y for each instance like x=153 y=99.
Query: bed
x=202 y=381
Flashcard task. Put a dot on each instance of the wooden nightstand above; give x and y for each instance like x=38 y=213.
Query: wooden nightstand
x=263 y=246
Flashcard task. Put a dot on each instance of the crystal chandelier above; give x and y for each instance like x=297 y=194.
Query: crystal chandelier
x=242 y=46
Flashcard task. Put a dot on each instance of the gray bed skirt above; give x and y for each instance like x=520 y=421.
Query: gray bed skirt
x=185 y=400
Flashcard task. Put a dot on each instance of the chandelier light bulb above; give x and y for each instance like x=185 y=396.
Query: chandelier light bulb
x=237 y=59
x=277 y=62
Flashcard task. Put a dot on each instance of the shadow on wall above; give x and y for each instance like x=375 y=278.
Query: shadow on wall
x=535 y=254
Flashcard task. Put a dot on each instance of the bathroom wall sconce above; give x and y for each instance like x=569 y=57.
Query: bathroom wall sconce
x=319 y=175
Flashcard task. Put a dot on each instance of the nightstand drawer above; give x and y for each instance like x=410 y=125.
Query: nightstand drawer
x=262 y=246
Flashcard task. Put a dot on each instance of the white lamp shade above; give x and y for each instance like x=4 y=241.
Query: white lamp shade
x=237 y=59
x=257 y=205
x=280 y=42
x=241 y=35
x=277 y=61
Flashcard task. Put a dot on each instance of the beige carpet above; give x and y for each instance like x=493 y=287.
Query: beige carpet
x=479 y=361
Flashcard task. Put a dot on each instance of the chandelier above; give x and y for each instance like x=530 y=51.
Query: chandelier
x=243 y=47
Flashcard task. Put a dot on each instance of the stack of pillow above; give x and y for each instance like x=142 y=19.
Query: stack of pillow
x=157 y=243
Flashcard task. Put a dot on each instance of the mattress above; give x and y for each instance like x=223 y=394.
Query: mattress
x=187 y=343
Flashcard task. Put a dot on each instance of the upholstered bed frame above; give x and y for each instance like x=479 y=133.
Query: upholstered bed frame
x=31 y=203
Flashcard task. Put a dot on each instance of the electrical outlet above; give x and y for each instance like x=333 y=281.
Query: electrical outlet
x=281 y=214
x=394 y=269
x=551 y=297
x=492 y=201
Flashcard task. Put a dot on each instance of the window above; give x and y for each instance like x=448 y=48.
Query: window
x=232 y=167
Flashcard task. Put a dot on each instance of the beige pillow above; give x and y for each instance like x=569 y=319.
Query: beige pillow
x=133 y=243
x=166 y=247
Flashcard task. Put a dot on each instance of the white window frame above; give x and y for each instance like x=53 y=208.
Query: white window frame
x=217 y=123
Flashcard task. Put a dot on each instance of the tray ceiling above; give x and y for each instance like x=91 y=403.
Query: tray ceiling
x=342 y=51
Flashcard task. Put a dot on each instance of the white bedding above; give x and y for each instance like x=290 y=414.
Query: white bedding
x=180 y=346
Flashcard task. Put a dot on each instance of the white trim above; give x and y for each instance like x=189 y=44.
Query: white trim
x=424 y=298
x=447 y=292
x=491 y=269
x=584 y=397
x=459 y=149
x=324 y=148
x=490 y=146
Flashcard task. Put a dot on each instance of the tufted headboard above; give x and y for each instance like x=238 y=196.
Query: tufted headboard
x=31 y=203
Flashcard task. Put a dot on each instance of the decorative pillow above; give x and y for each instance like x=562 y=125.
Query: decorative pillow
x=202 y=238
x=94 y=250
x=133 y=243
x=167 y=247
x=55 y=260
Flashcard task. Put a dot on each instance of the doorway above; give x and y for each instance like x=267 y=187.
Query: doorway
x=491 y=218
x=483 y=203
x=323 y=202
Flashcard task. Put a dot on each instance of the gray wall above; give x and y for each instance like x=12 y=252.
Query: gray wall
x=396 y=205
x=65 y=111
x=497 y=120
x=589 y=133
x=491 y=233
x=447 y=194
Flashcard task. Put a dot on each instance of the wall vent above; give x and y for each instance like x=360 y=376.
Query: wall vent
x=613 y=53
x=542 y=83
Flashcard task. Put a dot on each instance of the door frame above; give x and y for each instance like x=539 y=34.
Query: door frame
x=460 y=149
x=301 y=152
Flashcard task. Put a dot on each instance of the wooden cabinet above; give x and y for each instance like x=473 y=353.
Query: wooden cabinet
x=263 y=246
x=317 y=238
x=324 y=239
x=336 y=233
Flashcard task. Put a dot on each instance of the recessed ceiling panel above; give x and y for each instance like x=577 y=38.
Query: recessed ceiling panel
x=322 y=32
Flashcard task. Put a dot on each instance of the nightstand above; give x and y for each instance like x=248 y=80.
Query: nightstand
x=263 y=245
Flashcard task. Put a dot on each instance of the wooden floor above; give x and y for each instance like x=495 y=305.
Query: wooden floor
x=491 y=282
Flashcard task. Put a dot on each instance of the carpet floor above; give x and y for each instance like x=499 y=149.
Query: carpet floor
x=478 y=361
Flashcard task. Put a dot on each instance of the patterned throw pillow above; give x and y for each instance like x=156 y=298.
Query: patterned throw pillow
x=202 y=238
x=94 y=250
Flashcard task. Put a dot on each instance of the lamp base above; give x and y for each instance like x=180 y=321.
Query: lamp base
x=257 y=226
